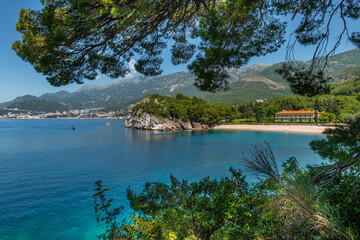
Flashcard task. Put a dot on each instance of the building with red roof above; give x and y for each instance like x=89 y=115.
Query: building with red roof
x=296 y=116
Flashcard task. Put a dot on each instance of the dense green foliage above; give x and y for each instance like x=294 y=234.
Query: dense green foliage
x=316 y=202
x=350 y=87
x=73 y=40
x=342 y=104
x=184 y=108
x=329 y=106
x=208 y=209
x=305 y=82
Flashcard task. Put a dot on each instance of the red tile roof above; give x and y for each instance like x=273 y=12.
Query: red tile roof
x=295 y=112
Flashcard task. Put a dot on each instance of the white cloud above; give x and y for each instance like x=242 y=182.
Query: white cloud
x=132 y=68
x=97 y=77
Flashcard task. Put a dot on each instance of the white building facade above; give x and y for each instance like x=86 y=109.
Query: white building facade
x=296 y=116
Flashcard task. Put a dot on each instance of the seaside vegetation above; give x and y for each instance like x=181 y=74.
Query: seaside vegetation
x=341 y=105
x=328 y=106
x=73 y=40
x=185 y=109
x=314 y=202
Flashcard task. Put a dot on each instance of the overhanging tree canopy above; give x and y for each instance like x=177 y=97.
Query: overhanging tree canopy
x=72 y=40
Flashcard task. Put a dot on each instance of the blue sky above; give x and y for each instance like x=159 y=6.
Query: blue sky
x=18 y=78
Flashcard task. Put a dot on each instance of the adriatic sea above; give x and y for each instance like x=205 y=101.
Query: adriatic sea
x=47 y=170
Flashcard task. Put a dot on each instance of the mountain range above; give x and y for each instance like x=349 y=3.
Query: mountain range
x=248 y=83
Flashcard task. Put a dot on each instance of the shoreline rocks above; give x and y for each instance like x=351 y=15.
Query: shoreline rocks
x=145 y=121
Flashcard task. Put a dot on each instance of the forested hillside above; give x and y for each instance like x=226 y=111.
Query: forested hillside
x=44 y=106
x=250 y=88
x=342 y=104
x=267 y=84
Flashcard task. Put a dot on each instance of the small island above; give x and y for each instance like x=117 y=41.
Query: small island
x=156 y=112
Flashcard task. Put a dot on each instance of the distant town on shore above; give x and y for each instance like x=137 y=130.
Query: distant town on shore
x=85 y=113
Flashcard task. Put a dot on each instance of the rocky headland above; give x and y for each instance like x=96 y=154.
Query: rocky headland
x=150 y=122
x=139 y=119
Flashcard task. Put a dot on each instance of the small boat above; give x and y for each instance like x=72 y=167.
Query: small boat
x=108 y=124
x=72 y=128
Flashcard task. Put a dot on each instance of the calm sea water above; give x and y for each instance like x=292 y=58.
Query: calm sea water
x=47 y=171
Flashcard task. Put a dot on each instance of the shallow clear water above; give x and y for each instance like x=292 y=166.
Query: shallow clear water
x=47 y=171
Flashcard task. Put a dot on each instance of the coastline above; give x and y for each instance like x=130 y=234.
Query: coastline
x=312 y=129
x=59 y=118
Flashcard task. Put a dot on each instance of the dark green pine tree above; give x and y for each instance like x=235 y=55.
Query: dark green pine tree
x=72 y=40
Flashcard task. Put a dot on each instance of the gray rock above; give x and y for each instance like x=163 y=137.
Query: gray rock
x=141 y=120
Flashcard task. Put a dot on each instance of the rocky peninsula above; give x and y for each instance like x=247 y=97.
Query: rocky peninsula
x=156 y=112
x=150 y=122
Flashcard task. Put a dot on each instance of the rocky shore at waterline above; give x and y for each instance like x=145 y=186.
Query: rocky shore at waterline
x=146 y=121
x=163 y=113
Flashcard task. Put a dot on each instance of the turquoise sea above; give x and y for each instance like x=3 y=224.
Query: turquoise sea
x=47 y=171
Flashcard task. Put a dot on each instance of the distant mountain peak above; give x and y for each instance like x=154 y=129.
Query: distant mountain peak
x=257 y=81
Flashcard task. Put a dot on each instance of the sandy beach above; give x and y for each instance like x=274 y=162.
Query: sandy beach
x=311 y=129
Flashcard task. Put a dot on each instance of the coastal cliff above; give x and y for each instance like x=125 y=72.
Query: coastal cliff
x=150 y=122
x=162 y=113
